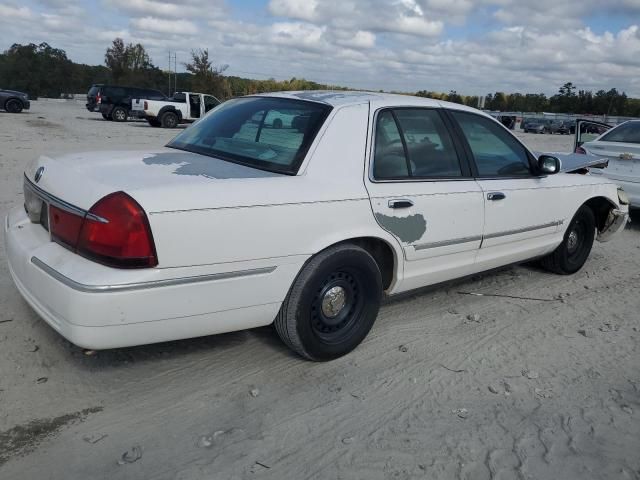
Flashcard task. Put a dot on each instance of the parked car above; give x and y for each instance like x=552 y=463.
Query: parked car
x=620 y=145
x=557 y=126
x=235 y=225
x=93 y=97
x=13 y=101
x=114 y=101
x=534 y=126
x=508 y=121
x=184 y=107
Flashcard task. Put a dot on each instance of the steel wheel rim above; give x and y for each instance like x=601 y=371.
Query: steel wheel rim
x=336 y=307
x=576 y=239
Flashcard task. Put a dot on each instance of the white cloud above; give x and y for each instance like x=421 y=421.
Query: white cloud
x=161 y=25
x=9 y=12
x=170 y=9
x=390 y=44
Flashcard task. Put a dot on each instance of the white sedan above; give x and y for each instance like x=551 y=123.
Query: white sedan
x=237 y=224
x=620 y=146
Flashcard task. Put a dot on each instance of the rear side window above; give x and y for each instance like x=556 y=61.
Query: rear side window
x=413 y=142
x=115 y=92
x=496 y=152
x=625 y=133
x=271 y=134
x=93 y=90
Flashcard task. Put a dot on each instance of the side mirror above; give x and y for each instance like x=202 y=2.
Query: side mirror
x=548 y=164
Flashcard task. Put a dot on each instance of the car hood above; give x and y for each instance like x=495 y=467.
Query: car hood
x=160 y=180
x=571 y=162
x=13 y=92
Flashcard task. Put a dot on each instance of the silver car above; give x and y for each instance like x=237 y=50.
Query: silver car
x=620 y=145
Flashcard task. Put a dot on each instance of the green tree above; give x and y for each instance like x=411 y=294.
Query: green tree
x=206 y=77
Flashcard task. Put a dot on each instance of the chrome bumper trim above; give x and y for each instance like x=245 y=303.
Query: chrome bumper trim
x=127 y=287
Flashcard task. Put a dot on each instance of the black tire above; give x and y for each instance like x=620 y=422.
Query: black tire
x=305 y=321
x=169 y=120
x=119 y=114
x=574 y=250
x=154 y=122
x=13 y=106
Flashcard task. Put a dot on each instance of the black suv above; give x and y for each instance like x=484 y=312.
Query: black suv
x=114 y=101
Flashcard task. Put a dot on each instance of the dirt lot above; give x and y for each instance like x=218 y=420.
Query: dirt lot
x=447 y=385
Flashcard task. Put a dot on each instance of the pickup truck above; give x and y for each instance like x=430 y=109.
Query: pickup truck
x=183 y=107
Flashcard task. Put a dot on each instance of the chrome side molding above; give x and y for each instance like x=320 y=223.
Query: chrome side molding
x=125 y=287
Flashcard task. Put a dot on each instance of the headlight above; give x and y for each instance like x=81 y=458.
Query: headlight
x=622 y=197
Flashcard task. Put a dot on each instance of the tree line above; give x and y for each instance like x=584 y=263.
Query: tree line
x=42 y=70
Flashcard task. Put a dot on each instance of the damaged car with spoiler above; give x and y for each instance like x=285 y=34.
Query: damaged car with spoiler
x=619 y=146
x=237 y=223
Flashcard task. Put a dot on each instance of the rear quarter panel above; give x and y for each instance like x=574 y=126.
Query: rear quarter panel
x=278 y=217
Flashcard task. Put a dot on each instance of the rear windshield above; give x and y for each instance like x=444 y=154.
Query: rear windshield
x=271 y=134
x=93 y=90
x=625 y=133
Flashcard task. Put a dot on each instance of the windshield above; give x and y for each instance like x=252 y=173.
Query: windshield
x=271 y=134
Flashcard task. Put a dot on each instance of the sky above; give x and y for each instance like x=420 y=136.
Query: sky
x=472 y=46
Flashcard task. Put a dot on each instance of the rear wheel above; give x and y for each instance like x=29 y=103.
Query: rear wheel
x=332 y=304
x=574 y=250
x=169 y=120
x=13 y=106
x=119 y=114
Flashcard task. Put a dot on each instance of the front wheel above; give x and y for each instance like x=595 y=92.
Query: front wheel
x=332 y=304
x=574 y=250
x=13 y=106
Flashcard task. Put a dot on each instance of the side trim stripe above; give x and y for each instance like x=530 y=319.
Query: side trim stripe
x=446 y=243
x=523 y=230
x=457 y=241
x=126 y=287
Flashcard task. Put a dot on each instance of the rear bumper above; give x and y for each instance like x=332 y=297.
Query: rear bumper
x=98 y=307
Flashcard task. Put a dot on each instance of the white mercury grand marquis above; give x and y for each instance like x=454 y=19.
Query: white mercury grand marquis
x=243 y=221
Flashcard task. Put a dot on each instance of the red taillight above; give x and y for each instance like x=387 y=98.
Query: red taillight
x=581 y=150
x=64 y=226
x=98 y=98
x=146 y=105
x=122 y=238
x=115 y=232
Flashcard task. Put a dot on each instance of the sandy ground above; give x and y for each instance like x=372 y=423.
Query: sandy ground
x=446 y=385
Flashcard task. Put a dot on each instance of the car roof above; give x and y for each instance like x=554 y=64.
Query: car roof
x=339 y=98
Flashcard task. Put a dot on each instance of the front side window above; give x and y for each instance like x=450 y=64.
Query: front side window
x=625 y=133
x=496 y=152
x=237 y=131
x=210 y=102
x=413 y=142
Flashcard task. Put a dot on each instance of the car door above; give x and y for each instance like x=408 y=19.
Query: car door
x=210 y=102
x=422 y=192
x=522 y=211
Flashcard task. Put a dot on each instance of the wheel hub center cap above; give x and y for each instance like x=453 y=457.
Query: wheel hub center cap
x=572 y=242
x=333 y=302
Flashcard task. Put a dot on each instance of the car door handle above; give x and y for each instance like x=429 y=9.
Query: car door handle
x=400 y=203
x=496 y=196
